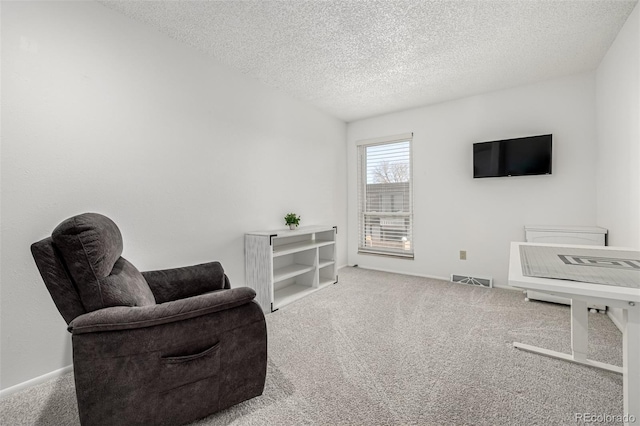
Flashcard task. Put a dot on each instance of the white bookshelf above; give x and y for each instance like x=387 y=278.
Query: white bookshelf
x=283 y=266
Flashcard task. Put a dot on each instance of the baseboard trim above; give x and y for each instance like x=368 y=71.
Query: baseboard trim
x=615 y=320
x=391 y=271
x=35 y=381
x=447 y=279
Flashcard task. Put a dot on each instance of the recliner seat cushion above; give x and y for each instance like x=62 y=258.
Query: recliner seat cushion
x=91 y=245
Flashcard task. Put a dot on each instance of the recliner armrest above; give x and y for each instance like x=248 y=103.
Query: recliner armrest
x=126 y=318
x=179 y=283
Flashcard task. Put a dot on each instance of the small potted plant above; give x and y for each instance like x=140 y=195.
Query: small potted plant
x=292 y=220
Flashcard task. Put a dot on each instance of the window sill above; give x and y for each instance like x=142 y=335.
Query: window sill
x=407 y=256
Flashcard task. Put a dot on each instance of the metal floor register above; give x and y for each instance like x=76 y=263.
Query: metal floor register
x=608 y=267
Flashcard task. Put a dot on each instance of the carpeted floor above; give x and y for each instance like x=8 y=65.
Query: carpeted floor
x=387 y=349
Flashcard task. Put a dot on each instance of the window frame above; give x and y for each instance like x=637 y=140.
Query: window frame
x=362 y=210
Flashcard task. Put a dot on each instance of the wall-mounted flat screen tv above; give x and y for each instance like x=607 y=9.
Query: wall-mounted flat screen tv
x=513 y=157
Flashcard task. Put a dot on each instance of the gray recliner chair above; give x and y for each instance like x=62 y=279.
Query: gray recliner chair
x=153 y=348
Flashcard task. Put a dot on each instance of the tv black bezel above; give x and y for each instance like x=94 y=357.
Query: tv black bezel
x=501 y=141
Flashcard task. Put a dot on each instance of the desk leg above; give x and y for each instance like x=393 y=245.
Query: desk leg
x=579 y=329
x=631 y=363
x=579 y=344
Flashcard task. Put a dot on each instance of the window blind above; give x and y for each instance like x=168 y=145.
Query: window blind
x=385 y=198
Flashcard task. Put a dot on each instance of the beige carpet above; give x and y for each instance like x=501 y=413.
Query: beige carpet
x=386 y=349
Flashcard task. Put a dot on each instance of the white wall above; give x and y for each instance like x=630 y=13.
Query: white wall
x=453 y=211
x=618 y=143
x=100 y=113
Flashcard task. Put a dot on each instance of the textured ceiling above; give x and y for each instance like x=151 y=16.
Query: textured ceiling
x=356 y=59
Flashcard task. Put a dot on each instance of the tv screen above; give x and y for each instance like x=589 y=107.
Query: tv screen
x=512 y=157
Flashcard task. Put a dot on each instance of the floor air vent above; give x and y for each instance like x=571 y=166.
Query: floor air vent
x=480 y=282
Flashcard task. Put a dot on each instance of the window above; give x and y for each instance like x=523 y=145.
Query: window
x=385 y=204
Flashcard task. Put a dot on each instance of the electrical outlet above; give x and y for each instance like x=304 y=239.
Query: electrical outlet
x=463 y=255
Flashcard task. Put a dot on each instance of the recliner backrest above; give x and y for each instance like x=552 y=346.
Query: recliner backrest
x=90 y=246
x=55 y=276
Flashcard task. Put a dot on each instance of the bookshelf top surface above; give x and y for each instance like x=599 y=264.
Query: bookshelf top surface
x=301 y=230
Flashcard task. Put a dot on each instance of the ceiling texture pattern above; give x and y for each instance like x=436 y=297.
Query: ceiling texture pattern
x=357 y=59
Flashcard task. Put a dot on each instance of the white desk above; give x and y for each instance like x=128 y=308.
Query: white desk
x=582 y=293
